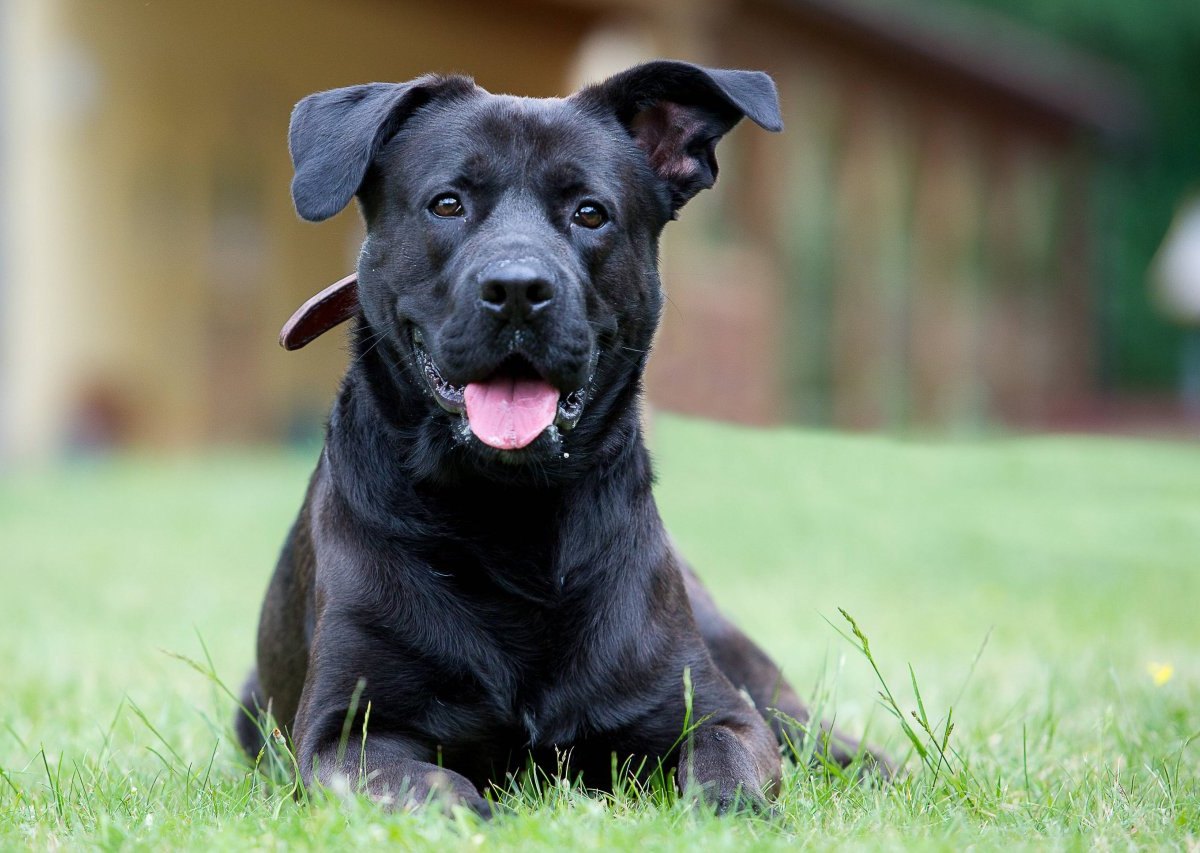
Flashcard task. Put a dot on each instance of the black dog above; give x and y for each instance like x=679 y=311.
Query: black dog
x=479 y=550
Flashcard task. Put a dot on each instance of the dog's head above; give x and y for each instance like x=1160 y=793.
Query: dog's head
x=508 y=283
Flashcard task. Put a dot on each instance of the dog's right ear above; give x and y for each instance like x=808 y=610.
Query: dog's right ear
x=676 y=112
x=334 y=136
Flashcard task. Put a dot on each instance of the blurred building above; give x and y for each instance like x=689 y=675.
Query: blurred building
x=915 y=249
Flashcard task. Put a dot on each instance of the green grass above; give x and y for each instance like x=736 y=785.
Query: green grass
x=1074 y=564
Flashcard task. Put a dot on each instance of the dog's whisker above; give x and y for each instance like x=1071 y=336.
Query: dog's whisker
x=374 y=341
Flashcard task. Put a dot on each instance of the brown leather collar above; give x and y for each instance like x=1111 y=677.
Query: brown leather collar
x=333 y=305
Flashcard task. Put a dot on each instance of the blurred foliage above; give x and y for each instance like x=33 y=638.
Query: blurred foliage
x=1158 y=45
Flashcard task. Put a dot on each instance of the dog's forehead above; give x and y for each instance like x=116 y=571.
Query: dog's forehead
x=512 y=128
x=523 y=116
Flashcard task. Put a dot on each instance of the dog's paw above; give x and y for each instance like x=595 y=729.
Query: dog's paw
x=863 y=762
x=446 y=790
x=728 y=796
x=879 y=765
x=718 y=769
x=414 y=786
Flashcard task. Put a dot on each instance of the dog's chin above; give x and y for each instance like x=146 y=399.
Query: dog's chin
x=510 y=448
x=548 y=447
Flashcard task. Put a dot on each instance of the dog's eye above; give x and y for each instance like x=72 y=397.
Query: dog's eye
x=447 y=206
x=590 y=215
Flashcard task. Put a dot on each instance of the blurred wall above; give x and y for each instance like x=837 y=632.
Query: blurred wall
x=147 y=192
x=928 y=219
x=913 y=250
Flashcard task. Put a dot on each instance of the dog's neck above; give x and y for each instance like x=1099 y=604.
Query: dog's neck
x=402 y=473
x=537 y=542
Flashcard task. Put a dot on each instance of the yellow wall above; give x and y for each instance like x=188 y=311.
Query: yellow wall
x=158 y=251
x=36 y=351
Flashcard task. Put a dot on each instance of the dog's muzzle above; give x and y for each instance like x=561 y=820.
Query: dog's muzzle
x=510 y=408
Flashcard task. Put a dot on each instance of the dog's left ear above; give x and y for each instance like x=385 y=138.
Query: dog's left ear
x=676 y=112
x=334 y=136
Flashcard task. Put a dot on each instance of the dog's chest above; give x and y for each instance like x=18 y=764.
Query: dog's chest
x=510 y=647
x=546 y=654
x=534 y=677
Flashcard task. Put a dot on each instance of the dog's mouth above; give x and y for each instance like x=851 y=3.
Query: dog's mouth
x=508 y=409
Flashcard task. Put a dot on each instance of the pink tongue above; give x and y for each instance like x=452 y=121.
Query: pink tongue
x=508 y=413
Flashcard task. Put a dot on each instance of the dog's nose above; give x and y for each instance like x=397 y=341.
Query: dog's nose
x=516 y=291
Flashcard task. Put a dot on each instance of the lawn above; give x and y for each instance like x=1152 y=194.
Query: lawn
x=1044 y=591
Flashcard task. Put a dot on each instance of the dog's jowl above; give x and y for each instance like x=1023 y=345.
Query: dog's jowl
x=479 y=559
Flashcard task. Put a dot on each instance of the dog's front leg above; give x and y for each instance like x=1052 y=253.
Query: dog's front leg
x=389 y=773
x=730 y=758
